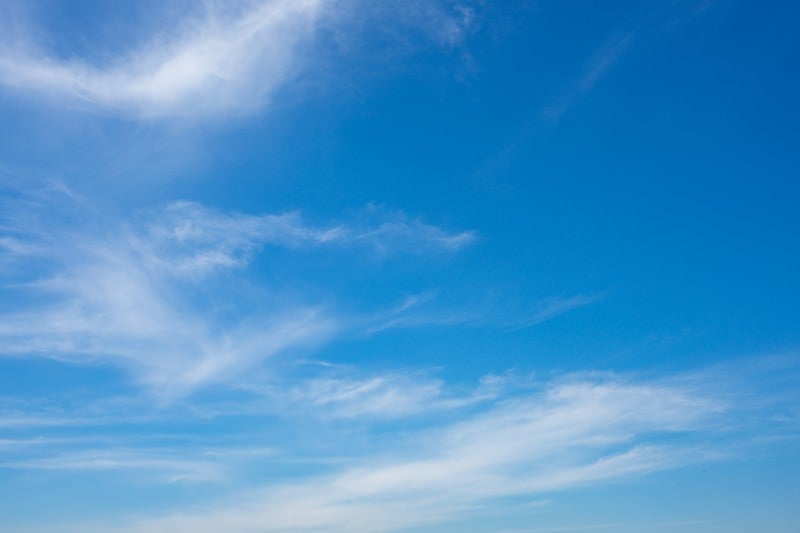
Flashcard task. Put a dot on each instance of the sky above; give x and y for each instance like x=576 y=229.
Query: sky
x=418 y=266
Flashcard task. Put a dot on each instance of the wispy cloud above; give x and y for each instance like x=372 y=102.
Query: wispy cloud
x=221 y=59
x=571 y=434
x=171 y=468
x=389 y=395
x=380 y=396
x=114 y=313
x=549 y=308
x=185 y=464
x=658 y=20
x=551 y=436
x=193 y=239
x=228 y=60
x=600 y=63
x=123 y=295
x=419 y=310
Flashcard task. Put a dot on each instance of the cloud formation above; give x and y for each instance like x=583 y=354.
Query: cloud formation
x=192 y=239
x=230 y=60
x=126 y=295
x=387 y=396
x=573 y=431
x=221 y=59
x=570 y=434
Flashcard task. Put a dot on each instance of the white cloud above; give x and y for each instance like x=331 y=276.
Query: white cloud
x=388 y=396
x=127 y=294
x=419 y=310
x=14 y=444
x=227 y=61
x=111 y=310
x=572 y=434
x=553 y=307
x=574 y=431
x=382 y=396
x=157 y=464
x=170 y=467
x=190 y=238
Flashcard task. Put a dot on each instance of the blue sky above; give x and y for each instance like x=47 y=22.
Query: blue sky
x=418 y=266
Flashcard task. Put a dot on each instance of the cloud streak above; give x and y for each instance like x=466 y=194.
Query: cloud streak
x=600 y=63
x=170 y=468
x=192 y=239
x=125 y=295
x=572 y=433
x=227 y=61
x=224 y=59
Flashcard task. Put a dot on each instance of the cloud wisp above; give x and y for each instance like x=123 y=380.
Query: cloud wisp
x=156 y=464
x=600 y=63
x=221 y=59
x=219 y=63
x=339 y=393
x=171 y=468
x=126 y=295
x=659 y=20
x=511 y=445
x=570 y=434
x=192 y=239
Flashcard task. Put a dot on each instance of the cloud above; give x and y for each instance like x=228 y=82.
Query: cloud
x=222 y=59
x=126 y=294
x=572 y=431
x=660 y=19
x=600 y=63
x=190 y=238
x=555 y=306
x=380 y=396
x=418 y=310
x=113 y=312
x=176 y=464
x=571 y=434
x=169 y=467
x=447 y=23
x=388 y=396
x=230 y=60
x=14 y=444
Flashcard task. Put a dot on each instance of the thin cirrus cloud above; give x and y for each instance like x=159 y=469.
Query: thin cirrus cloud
x=154 y=464
x=552 y=307
x=194 y=239
x=556 y=435
x=170 y=468
x=125 y=297
x=600 y=63
x=387 y=396
x=661 y=19
x=380 y=396
x=570 y=434
x=227 y=59
x=222 y=62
